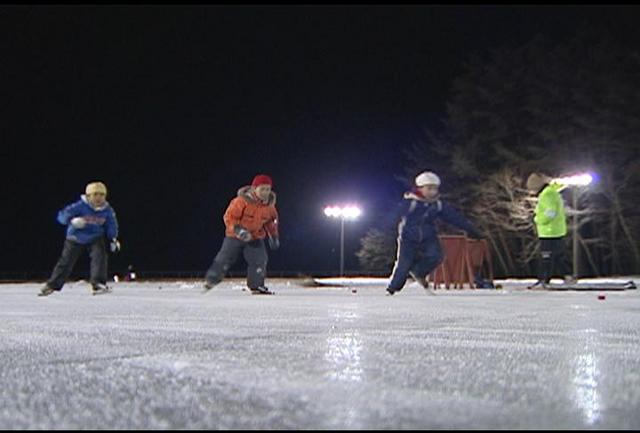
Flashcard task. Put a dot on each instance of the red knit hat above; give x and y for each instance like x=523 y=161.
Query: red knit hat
x=261 y=179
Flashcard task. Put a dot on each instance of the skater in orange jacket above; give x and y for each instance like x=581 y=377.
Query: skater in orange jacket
x=249 y=219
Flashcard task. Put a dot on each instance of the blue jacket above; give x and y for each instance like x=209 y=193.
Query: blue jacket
x=419 y=218
x=99 y=221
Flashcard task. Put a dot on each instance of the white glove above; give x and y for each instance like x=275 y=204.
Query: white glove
x=242 y=233
x=114 y=245
x=78 y=222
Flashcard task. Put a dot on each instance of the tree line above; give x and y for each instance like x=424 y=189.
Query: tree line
x=554 y=107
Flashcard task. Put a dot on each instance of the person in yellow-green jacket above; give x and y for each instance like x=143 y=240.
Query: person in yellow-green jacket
x=551 y=224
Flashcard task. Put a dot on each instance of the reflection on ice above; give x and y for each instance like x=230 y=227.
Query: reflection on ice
x=344 y=350
x=586 y=382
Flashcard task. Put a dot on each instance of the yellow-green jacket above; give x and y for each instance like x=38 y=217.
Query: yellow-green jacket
x=549 y=214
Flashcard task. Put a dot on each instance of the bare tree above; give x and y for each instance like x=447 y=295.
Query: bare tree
x=551 y=107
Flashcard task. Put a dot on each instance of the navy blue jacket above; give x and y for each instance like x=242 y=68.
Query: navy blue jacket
x=99 y=220
x=419 y=217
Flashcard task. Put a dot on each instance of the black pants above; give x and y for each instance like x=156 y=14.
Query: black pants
x=254 y=253
x=551 y=252
x=70 y=254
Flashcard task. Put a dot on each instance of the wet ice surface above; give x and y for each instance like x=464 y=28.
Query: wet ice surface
x=146 y=357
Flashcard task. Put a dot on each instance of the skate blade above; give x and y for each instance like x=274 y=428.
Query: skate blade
x=101 y=292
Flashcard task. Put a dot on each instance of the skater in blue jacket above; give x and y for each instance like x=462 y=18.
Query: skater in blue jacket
x=419 y=250
x=88 y=220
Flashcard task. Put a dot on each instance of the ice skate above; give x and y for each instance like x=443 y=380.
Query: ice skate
x=425 y=285
x=262 y=290
x=46 y=291
x=538 y=285
x=208 y=286
x=100 y=289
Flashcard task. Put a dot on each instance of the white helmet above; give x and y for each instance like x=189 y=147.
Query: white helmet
x=427 y=178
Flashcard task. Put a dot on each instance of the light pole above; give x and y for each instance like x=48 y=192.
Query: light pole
x=574 y=241
x=346 y=212
x=576 y=181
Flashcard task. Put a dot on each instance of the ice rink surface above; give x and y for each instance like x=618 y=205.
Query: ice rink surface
x=165 y=356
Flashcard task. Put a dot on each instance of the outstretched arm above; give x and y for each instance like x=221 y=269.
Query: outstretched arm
x=452 y=216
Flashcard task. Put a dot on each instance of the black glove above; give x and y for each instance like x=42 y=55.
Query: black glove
x=274 y=243
x=242 y=233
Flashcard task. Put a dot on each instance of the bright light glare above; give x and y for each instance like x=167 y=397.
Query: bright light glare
x=332 y=211
x=348 y=212
x=351 y=212
x=579 y=179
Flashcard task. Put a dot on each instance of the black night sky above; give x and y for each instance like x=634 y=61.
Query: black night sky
x=175 y=108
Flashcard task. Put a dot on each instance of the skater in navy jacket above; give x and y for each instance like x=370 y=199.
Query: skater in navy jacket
x=419 y=250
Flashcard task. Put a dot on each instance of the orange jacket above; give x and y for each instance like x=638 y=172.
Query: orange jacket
x=248 y=211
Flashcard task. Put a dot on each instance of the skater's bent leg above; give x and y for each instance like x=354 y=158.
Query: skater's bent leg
x=404 y=263
x=429 y=258
x=225 y=258
x=256 y=256
x=99 y=261
x=70 y=253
